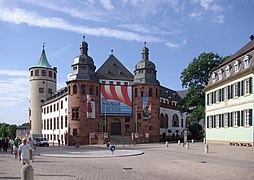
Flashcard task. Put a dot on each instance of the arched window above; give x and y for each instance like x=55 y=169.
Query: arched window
x=83 y=89
x=161 y=121
x=142 y=91
x=175 y=121
x=91 y=90
x=74 y=89
x=187 y=121
x=166 y=121
x=136 y=92
x=150 y=92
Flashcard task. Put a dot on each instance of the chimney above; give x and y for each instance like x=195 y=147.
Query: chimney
x=251 y=37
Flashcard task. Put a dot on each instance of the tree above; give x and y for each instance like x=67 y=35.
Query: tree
x=195 y=78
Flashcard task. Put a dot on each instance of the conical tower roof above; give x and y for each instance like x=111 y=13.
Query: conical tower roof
x=43 y=62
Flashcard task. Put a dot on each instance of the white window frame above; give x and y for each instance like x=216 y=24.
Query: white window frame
x=217 y=96
x=247 y=86
x=247 y=118
x=236 y=90
x=226 y=120
x=210 y=98
x=220 y=74
x=210 y=121
x=227 y=70
x=214 y=77
x=236 y=66
x=235 y=119
x=217 y=121
x=246 y=61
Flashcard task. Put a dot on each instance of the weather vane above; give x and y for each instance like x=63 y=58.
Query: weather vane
x=43 y=45
x=112 y=51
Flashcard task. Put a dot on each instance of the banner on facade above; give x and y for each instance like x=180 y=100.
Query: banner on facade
x=147 y=107
x=116 y=99
x=90 y=106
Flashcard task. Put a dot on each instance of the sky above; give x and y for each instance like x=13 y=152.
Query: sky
x=176 y=31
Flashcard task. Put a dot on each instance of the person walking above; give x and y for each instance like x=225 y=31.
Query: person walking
x=31 y=143
x=25 y=152
x=15 y=148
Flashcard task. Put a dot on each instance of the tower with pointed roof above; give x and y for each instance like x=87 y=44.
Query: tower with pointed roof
x=146 y=98
x=43 y=82
x=83 y=98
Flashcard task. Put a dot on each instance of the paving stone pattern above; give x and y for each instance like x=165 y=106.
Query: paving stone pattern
x=157 y=162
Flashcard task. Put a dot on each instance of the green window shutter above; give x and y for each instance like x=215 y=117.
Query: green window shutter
x=222 y=94
x=222 y=120
x=250 y=118
x=242 y=88
x=207 y=122
x=228 y=92
x=207 y=99
x=238 y=118
x=242 y=118
x=229 y=120
x=214 y=121
x=219 y=95
x=231 y=91
x=212 y=98
x=238 y=88
x=250 y=82
x=219 y=120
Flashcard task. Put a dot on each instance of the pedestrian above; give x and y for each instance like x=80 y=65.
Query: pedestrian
x=1 y=144
x=25 y=152
x=62 y=142
x=15 y=148
x=58 y=142
x=11 y=144
x=6 y=144
x=31 y=143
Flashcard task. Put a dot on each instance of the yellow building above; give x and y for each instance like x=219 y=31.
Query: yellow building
x=230 y=100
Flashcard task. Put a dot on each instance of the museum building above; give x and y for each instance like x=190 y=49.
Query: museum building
x=100 y=104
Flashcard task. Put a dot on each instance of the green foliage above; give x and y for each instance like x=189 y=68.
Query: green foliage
x=195 y=77
x=7 y=130
x=27 y=124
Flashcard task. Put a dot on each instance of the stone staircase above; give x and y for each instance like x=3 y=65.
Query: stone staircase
x=121 y=140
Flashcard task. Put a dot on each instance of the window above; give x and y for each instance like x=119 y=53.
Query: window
x=220 y=74
x=248 y=117
x=118 y=83
x=103 y=82
x=161 y=121
x=50 y=108
x=217 y=121
x=54 y=107
x=136 y=92
x=66 y=122
x=150 y=92
x=246 y=61
x=54 y=75
x=32 y=73
x=57 y=123
x=226 y=119
x=61 y=104
x=75 y=113
x=49 y=90
x=36 y=72
x=57 y=106
x=74 y=88
x=111 y=82
x=228 y=70
x=127 y=128
x=139 y=115
x=236 y=65
x=236 y=118
x=75 y=132
x=43 y=72
x=218 y=95
x=47 y=109
x=50 y=123
x=50 y=73
x=175 y=121
x=127 y=119
x=214 y=77
x=247 y=86
x=91 y=90
x=41 y=90
x=150 y=128
x=142 y=91
x=236 y=90
x=126 y=83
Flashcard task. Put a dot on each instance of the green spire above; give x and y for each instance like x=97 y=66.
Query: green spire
x=43 y=62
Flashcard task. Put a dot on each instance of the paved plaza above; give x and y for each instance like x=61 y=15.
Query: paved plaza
x=157 y=162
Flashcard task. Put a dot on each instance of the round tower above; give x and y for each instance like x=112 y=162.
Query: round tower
x=43 y=81
x=83 y=98
x=146 y=99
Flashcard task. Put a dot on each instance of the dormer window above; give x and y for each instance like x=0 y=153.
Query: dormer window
x=220 y=74
x=246 y=61
x=74 y=68
x=236 y=65
x=214 y=77
x=227 y=70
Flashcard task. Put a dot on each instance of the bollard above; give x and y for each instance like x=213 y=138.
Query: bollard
x=166 y=143
x=192 y=141
x=27 y=172
x=206 y=148
x=178 y=142
x=187 y=145
x=204 y=140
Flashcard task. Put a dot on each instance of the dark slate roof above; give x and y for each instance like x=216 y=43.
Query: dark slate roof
x=114 y=69
x=182 y=93
x=245 y=49
x=56 y=95
x=166 y=93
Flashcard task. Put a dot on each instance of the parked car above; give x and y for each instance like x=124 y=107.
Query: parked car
x=41 y=141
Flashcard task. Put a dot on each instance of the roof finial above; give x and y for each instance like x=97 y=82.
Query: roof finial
x=43 y=45
x=112 y=51
x=145 y=43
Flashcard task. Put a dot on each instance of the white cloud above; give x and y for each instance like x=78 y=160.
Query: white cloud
x=219 y=19
x=107 y=4
x=210 y=5
x=196 y=15
x=13 y=72
x=18 y=16
x=176 y=45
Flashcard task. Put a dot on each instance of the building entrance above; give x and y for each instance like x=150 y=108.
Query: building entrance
x=116 y=127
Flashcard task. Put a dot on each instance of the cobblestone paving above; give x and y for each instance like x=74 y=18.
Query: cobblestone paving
x=157 y=162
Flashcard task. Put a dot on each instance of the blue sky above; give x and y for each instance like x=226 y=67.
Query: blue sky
x=176 y=31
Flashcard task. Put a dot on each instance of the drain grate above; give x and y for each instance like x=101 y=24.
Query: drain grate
x=127 y=168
